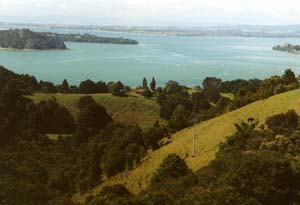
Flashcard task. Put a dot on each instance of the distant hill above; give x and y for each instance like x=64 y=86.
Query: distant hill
x=27 y=39
x=87 y=38
x=209 y=135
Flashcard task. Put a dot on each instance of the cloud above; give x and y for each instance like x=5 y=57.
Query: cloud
x=162 y=11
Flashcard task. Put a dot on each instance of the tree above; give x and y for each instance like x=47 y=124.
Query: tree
x=147 y=93
x=145 y=83
x=64 y=87
x=267 y=176
x=153 y=84
x=172 y=87
x=54 y=118
x=101 y=87
x=289 y=77
x=172 y=166
x=167 y=107
x=211 y=89
x=88 y=87
x=13 y=112
x=116 y=89
x=200 y=102
x=47 y=87
x=180 y=118
x=113 y=162
x=91 y=114
x=80 y=135
x=153 y=135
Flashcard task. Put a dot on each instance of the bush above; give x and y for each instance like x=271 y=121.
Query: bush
x=283 y=123
x=172 y=166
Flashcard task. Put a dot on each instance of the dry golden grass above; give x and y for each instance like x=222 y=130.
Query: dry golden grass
x=134 y=109
x=209 y=135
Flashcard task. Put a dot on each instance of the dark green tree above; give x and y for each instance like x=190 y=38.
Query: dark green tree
x=145 y=83
x=200 y=102
x=101 y=87
x=92 y=115
x=211 y=89
x=180 y=118
x=289 y=77
x=153 y=84
x=64 y=88
x=88 y=87
x=153 y=135
x=54 y=118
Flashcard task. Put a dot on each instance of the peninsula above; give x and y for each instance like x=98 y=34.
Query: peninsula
x=88 y=38
x=27 y=39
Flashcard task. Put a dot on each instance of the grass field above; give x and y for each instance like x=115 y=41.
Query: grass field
x=55 y=136
x=134 y=109
x=209 y=135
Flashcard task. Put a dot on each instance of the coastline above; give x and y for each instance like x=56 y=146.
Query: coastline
x=27 y=49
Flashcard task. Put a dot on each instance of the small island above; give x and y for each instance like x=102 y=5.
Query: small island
x=288 y=48
x=87 y=38
x=26 y=39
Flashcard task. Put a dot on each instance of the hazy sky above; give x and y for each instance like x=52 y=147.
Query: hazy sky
x=153 y=12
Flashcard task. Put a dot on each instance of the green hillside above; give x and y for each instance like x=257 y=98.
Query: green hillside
x=209 y=134
x=134 y=109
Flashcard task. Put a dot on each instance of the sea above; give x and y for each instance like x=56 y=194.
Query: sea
x=187 y=60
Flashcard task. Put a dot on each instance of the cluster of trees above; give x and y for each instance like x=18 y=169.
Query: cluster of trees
x=90 y=87
x=256 y=165
x=148 y=91
x=27 y=39
x=43 y=171
x=181 y=108
x=248 y=91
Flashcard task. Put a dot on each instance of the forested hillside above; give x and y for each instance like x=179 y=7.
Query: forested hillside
x=26 y=39
x=93 y=148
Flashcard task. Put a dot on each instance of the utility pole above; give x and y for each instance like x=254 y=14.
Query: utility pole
x=193 y=139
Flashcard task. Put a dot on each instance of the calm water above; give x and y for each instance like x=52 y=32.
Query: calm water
x=184 y=59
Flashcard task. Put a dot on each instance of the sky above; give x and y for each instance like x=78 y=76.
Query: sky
x=153 y=12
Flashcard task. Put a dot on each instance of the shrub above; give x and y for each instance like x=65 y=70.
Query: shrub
x=172 y=166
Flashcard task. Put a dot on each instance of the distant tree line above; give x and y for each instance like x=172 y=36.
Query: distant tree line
x=29 y=84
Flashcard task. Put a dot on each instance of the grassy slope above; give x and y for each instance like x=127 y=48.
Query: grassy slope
x=209 y=136
x=134 y=109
